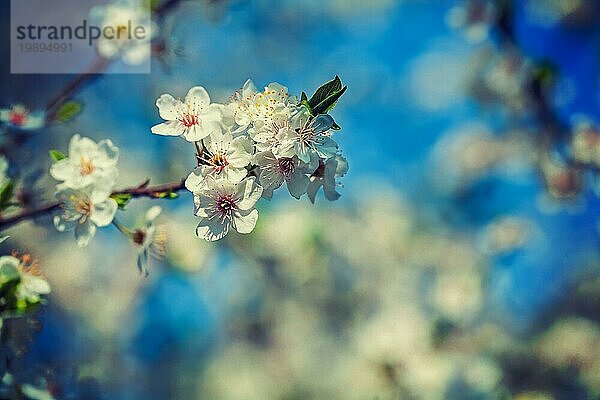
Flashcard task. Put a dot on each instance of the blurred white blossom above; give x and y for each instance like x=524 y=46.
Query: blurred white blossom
x=83 y=210
x=130 y=28
x=32 y=284
x=150 y=239
x=19 y=117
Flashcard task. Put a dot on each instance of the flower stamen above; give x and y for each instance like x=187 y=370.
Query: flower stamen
x=86 y=166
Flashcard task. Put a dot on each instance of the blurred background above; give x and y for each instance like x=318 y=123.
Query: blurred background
x=462 y=261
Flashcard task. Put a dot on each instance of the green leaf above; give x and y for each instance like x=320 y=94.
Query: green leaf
x=68 y=111
x=303 y=97
x=4 y=239
x=56 y=155
x=326 y=105
x=122 y=199
x=324 y=91
x=6 y=193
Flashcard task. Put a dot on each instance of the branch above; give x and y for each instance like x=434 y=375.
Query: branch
x=153 y=192
x=142 y=190
x=553 y=129
x=96 y=68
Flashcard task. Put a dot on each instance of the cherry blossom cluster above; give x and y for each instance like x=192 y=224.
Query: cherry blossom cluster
x=250 y=146
x=87 y=177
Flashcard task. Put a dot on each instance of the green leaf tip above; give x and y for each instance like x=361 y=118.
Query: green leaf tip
x=56 y=155
x=325 y=97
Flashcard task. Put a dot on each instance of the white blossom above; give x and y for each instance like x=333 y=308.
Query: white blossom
x=325 y=176
x=222 y=204
x=195 y=118
x=256 y=110
x=268 y=136
x=274 y=171
x=222 y=156
x=308 y=138
x=32 y=284
x=83 y=210
x=88 y=163
x=118 y=19
x=19 y=117
x=585 y=143
x=150 y=239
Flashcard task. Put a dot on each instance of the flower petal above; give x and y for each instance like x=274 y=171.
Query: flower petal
x=84 y=233
x=63 y=170
x=212 y=229
x=240 y=152
x=195 y=133
x=109 y=149
x=248 y=193
x=63 y=225
x=153 y=213
x=167 y=107
x=297 y=185
x=322 y=123
x=326 y=147
x=104 y=212
x=195 y=181
x=170 y=128
x=245 y=223
x=81 y=147
x=198 y=96
x=36 y=285
x=312 y=189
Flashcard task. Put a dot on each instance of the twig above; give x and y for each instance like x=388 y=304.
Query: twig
x=142 y=190
x=99 y=65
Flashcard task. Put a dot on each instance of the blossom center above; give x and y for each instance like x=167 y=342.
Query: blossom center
x=225 y=205
x=82 y=206
x=27 y=264
x=219 y=161
x=305 y=135
x=286 y=166
x=188 y=120
x=139 y=235
x=17 y=117
x=86 y=167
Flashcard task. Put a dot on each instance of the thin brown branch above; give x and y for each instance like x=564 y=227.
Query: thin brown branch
x=142 y=190
x=97 y=67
